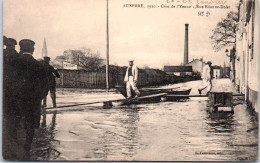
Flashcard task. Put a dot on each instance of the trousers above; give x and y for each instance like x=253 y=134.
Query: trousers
x=53 y=96
x=131 y=84
x=206 y=84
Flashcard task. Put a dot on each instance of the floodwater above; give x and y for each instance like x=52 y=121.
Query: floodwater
x=166 y=131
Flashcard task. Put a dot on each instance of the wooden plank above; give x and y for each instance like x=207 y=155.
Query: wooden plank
x=138 y=98
x=169 y=95
x=117 y=100
x=65 y=106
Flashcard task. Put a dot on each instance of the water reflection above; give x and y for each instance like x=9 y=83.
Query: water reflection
x=220 y=122
x=43 y=148
x=166 y=131
x=122 y=138
x=131 y=126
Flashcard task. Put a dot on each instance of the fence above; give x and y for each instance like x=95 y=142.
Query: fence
x=97 y=80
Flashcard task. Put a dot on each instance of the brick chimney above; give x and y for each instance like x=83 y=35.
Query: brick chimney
x=186 y=45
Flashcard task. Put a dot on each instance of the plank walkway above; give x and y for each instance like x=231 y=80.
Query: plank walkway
x=109 y=101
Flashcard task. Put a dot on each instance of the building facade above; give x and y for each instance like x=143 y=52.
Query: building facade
x=217 y=73
x=246 y=59
x=197 y=65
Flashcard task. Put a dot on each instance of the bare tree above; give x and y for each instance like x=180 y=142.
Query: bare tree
x=90 y=60
x=84 y=57
x=224 y=35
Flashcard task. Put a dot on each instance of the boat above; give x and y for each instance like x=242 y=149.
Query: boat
x=154 y=91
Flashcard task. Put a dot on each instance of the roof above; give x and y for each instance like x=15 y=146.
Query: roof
x=178 y=68
x=216 y=67
x=196 y=61
x=154 y=72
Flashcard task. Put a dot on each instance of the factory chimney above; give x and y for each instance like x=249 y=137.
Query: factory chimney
x=186 y=45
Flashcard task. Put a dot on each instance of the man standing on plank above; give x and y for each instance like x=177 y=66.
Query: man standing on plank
x=131 y=78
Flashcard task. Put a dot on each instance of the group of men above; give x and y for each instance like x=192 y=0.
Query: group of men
x=26 y=83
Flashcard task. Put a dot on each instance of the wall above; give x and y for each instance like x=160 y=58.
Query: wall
x=247 y=52
x=196 y=65
x=216 y=73
x=97 y=80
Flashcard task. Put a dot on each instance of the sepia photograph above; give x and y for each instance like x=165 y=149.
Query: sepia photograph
x=130 y=80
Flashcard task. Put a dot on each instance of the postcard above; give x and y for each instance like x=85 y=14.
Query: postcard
x=130 y=80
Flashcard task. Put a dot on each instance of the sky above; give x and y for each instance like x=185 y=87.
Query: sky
x=152 y=37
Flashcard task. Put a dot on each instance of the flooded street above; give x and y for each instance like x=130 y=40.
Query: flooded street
x=166 y=131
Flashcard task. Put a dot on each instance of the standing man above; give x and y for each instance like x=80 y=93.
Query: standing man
x=131 y=77
x=33 y=83
x=52 y=83
x=206 y=78
x=11 y=112
x=9 y=72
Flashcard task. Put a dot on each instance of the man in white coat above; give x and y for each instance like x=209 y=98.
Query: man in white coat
x=206 y=78
x=131 y=78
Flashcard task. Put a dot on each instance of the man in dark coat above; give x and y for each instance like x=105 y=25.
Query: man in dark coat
x=52 y=83
x=33 y=88
x=11 y=114
x=10 y=57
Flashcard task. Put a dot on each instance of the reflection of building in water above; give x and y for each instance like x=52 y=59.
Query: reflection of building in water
x=246 y=57
x=221 y=122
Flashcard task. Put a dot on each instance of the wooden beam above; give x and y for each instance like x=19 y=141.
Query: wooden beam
x=109 y=101
x=186 y=95
x=133 y=99
x=169 y=95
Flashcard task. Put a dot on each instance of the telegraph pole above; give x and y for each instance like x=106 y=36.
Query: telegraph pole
x=62 y=73
x=107 y=63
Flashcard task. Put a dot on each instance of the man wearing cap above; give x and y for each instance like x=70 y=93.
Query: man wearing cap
x=33 y=88
x=9 y=59
x=10 y=56
x=206 y=78
x=130 y=79
x=9 y=52
x=11 y=114
x=52 y=83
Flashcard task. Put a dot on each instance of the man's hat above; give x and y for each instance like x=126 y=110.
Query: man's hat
x=209 y=62
x=26 y=43
x=46 y=58
x=130 y=60
x=4 y=40
x=10 y=42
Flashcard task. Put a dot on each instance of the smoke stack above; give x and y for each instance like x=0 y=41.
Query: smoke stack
x=186 y=45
